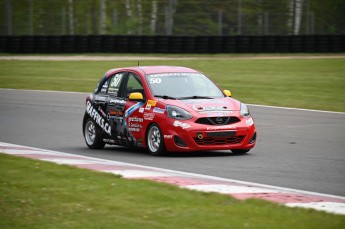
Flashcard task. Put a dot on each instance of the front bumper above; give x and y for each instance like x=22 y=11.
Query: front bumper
x=198 y=137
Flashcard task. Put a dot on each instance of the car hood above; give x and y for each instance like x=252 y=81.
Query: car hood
x=225 y=104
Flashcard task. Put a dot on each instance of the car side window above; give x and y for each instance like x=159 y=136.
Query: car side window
x=105 y=86
x=134 y=85
x=115 y=83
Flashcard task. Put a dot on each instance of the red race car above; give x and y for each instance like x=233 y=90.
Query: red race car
x=166 y=108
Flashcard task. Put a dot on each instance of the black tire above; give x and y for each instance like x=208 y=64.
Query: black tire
x=155 y=140
x=239 y=151
x=92 y=135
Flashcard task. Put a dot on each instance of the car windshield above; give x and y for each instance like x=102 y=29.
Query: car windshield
x=183 y=86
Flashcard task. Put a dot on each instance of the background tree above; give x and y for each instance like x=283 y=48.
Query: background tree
x=171 y=17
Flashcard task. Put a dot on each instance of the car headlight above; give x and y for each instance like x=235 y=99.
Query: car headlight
x=244 y=110
x=178 y=113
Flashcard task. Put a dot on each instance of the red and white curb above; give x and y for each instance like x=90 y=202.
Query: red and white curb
x=238 y=189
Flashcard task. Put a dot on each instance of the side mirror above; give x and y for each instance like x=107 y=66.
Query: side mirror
x=227 y=93
x=136 y=96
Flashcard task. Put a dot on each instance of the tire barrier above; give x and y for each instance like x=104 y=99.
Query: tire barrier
x=173 y=44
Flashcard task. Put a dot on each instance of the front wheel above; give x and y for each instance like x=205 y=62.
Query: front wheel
x=155 y=140
x=92 y=136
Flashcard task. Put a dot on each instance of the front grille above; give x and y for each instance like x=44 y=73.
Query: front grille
x=218 y=120
x=216 y=141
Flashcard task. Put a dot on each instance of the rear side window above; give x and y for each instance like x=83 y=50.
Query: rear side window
x=115 y=83
x=105 y=87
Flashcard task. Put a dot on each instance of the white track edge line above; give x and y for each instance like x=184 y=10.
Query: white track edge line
x=201 y=175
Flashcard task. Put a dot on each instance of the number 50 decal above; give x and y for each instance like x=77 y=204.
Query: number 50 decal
x=116 y=80
x=155 y=80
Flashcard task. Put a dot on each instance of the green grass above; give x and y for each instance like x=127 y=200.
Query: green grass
x=304 y=83
x=37 y=194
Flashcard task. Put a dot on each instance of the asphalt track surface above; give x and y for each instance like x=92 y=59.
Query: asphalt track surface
x=296 y=149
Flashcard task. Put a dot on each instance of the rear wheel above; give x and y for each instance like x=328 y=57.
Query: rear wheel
x=240 y=151
x=92 y=136
x=155 y=140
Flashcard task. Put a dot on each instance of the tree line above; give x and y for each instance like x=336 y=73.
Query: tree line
x=171 y=17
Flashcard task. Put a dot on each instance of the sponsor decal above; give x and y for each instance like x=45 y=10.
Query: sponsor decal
x=227 y=127
x=218 y=114
x=109 y=141
x=100 y=98
x=148 y=107
x=117 y=101
x=135 y=119
x=168 y=136
x=98 y=118
x=194 y=101
x=149 y=116
x=158 y=110
x=136 y=125
x=141 y=110
x=128 y=113
x=116 y=80
x=210 y=108
x=183 y=125
x=155 y=80
x=133 y=108
x=151 y=102
x=104 y=87
x=113 y=90
x=174 y=74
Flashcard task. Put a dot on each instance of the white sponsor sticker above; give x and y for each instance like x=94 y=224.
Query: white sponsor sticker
x=98 y=118
x=183 y=125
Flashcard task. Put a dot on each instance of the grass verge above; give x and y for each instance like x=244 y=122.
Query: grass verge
x=304 y=83
x=57 y=196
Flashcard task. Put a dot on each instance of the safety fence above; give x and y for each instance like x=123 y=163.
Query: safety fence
x=173 y=44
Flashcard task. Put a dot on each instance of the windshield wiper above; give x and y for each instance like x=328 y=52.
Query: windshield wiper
x=196 y=97
x=164 y=97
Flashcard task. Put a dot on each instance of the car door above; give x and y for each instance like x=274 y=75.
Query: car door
x=133 y=116
x=115 y=107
